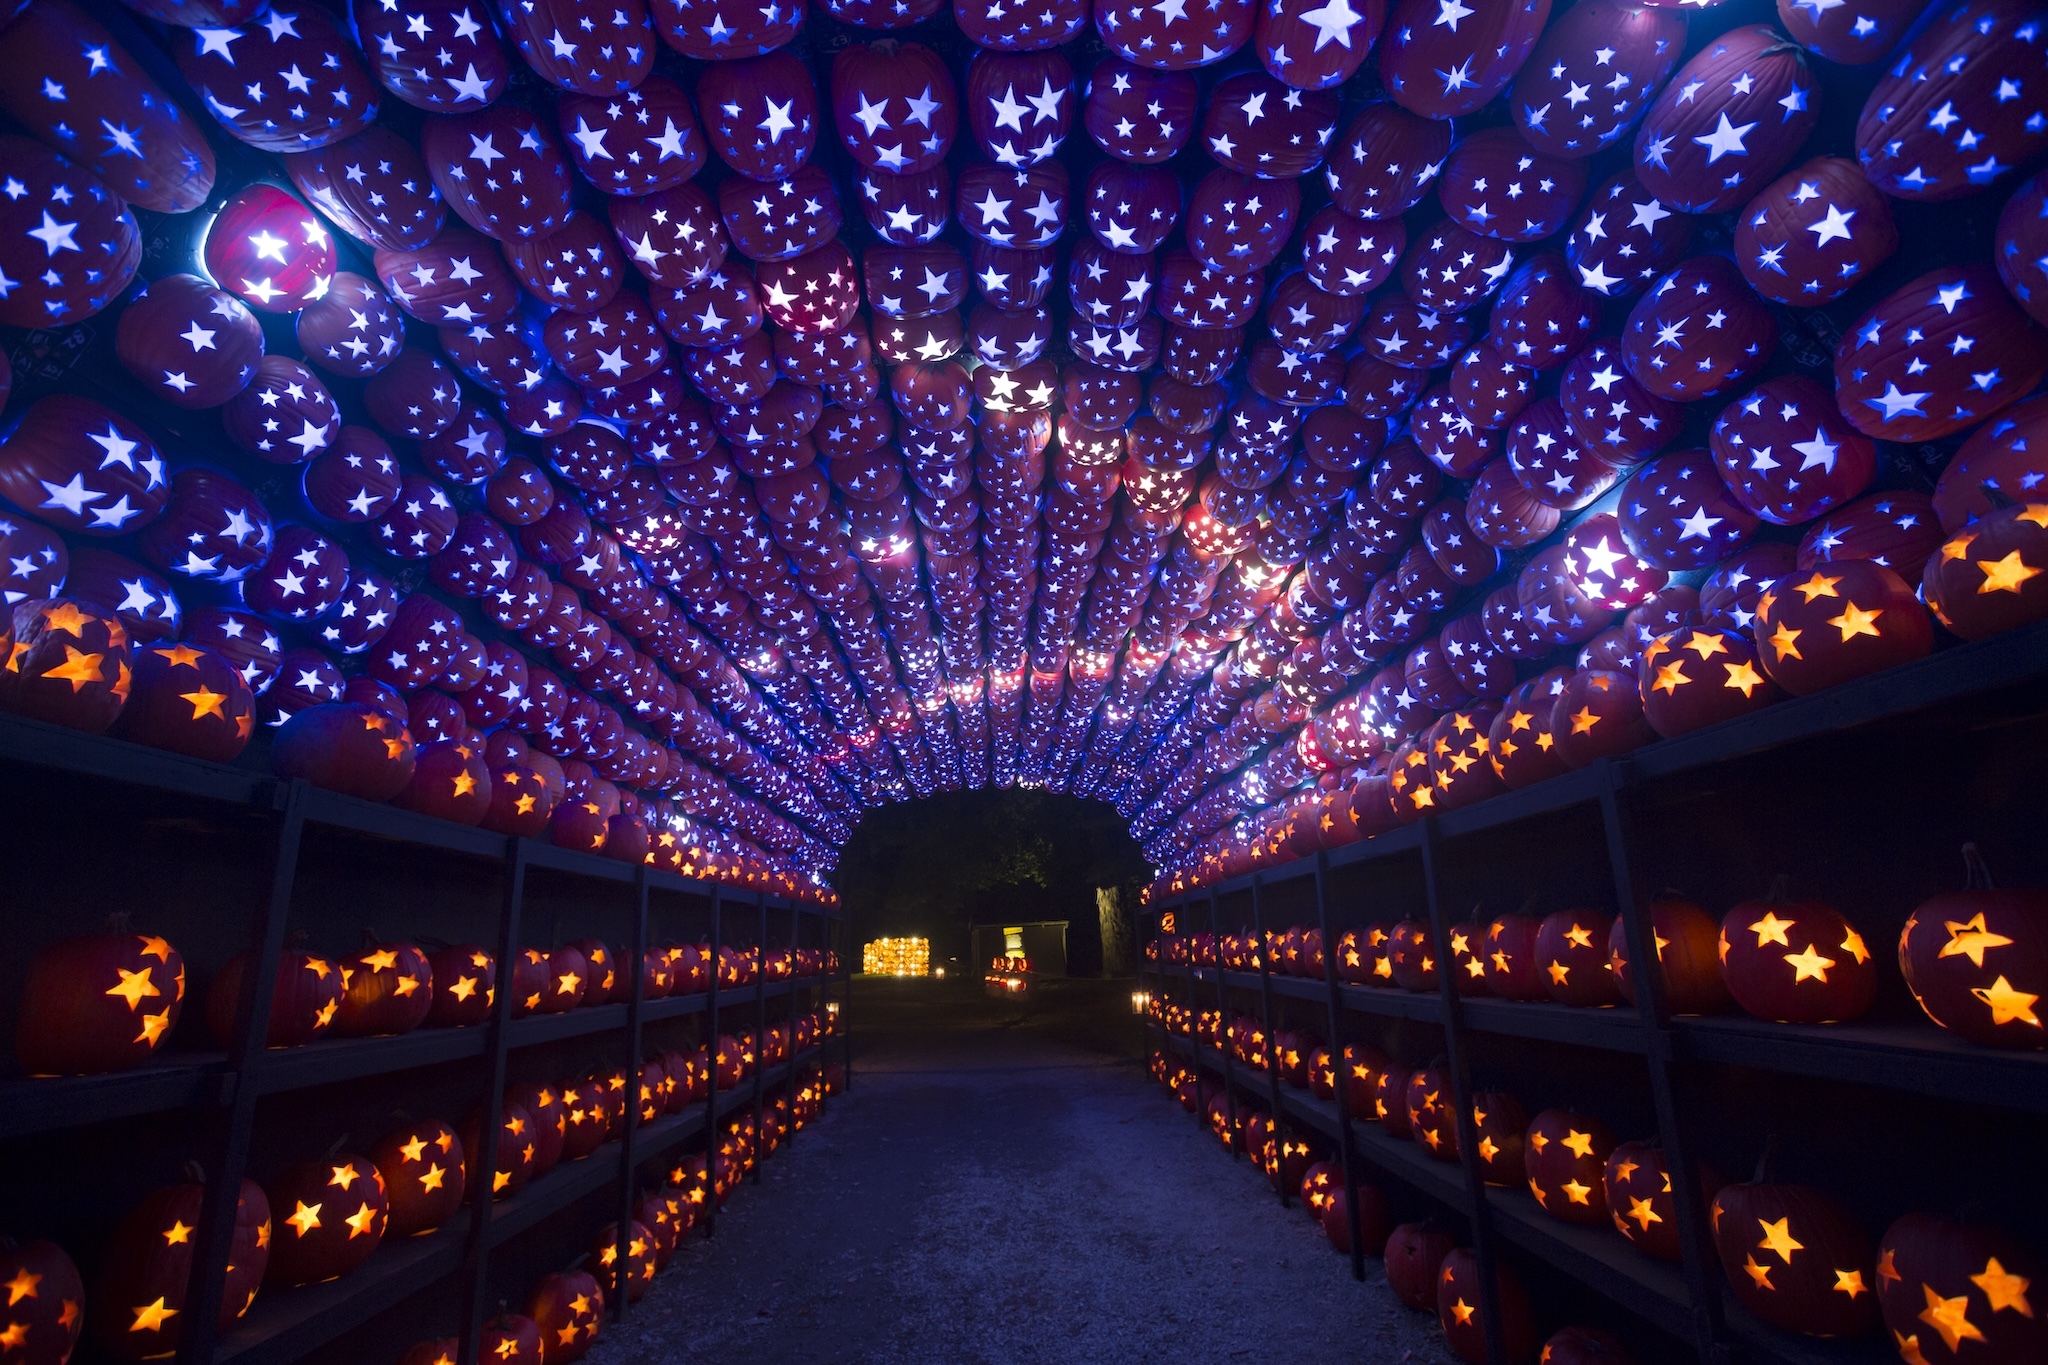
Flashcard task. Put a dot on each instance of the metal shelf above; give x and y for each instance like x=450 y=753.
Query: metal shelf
x=1920 y=1058
x=40 y=1104
x=286 y=1324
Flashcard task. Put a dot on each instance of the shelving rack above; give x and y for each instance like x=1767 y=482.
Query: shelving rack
x=223 y=858
x=1863 y=794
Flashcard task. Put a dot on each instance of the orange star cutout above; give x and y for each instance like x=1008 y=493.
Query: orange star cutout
x=1818 y=586
x=2008 y=1004
x=2003 y=1289
x=1743 y=677
x=2005 y=575
x=78 y=669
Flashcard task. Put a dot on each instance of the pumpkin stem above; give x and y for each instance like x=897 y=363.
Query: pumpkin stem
x=193 y=1172
x=1765 y=1161
x=1781 y=890
x=370 y=939
x=119 y=923
x=335 y=1147
x=1976 y=873
x=1529 y=905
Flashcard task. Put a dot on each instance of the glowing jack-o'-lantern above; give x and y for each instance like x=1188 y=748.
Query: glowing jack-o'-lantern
x=465 y=985
x=68 y=664
x=1500 y=1124
x=1960 y=1292
x=1977 y=960
x=137 y=1310
x=100 y=1002
x=1571 y=953
x=1512 y=968
x=1413 y=1255
x=1987 y=577
x=423 y=1168
x=386 y=988
x=269 y=250
x=1411 y=956
x=45 y=1310
x=1796 y=1259
x=331 y=1214
x=1797 y=962
x=510 y=1339
x=1639 y=1198
x=1468 y=963
x=584 y=1112
x=1458 y=1292
x=1432 y=1114
x=434 y=1351
x=640 y=1267
x=307 y=998
x=1318 y=1182
x=1565 y=1157
x=1836 y=621
x=517 y=1143
x=1689 y=678
x=569 y=1310
x=1390 y=1102
x=1686 y=942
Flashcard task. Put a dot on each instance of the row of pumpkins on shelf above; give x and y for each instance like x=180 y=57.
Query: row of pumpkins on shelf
x=322 y=1219
x=74 y=663
x=1946 y=1291
x=105 y=1002
x=1859 y=594
x=1976 y=959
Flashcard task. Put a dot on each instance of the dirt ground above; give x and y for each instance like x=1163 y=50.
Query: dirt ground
x=1000 y=1185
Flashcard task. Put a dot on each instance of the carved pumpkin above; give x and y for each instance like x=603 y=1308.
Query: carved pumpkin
x=661 y=1215
x=69 y=664
x=1414 y=1254
x=568 y=977
x=1501 y=1125
x=1690 y=678
x=569 y=1310
x=1566 y=1161
x=1987 y=577
x=1639 y=1198
x=1976 y=959
x=510 y=1339
x=1512 y=968
x=1317 y=1182
x=550 y=1121
x=1797 y=962
x=640 y=1266
x=99 y=1002
x=1837 y=621
x=1796 y=1259
x=1390 y=1102
x=330 y=1216
x=1458 y=1290
x=45 y=1310
x=1688 y=957
x=1432 y=1114
x=465 y=986
x=137 y=1307
x=513 y=1165
x=189 y=700
x=603 y=982
x=583 y=1110
x=348 y=747
x=1411 y=957
x=387 y=988
x=1374 y=1219
x=1956 y=1292
x=1468 y=965
x=1571 y=952
x=308 y=996
x=422 y=1166
x=529 y=981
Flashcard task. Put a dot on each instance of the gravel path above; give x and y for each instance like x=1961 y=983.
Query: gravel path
x=987 y=1194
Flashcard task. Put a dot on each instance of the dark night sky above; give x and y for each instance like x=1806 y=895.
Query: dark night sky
x=935 y=867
